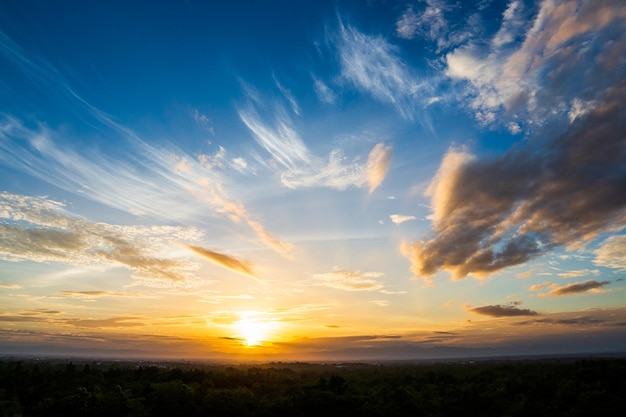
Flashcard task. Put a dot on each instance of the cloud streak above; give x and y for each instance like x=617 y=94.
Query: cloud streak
x=226 y=261
x=577 y=288
x=349 y=280
x=502 y=311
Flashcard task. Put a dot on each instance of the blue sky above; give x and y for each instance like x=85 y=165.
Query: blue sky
x=312 y=179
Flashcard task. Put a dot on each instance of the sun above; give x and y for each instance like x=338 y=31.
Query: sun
x=253 y=329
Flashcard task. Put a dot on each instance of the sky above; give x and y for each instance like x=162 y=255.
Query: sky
x=312 y=180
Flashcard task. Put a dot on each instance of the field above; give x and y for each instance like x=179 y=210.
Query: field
x=554 y=387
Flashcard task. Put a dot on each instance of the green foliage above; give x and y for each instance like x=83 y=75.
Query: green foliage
x=505 y=388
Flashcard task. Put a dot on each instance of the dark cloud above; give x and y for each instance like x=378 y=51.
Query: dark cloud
x=224 y=260
x=502 y=311
x=578 y=287
x=576 y=321
x=560 y=189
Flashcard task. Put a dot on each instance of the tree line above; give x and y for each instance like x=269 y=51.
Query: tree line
x=489 y=388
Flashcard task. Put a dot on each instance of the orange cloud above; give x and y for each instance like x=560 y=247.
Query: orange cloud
x=227 y=261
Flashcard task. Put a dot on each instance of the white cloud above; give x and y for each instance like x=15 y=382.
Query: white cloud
x=324 y=93
x=378 y=164
x=525 y=78
x=349 y=280
x=295 y=107
x=372 y=65
x=204 y=121
x=296 y=166
x=579 y=273
x=510 y=26
x=612 y=253
x=280 y=138
x=408 y=24
x=399 y=218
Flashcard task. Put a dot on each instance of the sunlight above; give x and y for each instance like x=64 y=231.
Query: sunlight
x=253 y=329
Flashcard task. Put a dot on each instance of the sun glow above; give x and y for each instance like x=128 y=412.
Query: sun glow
x=253 y=329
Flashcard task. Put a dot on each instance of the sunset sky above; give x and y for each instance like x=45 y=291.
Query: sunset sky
x=312 y=180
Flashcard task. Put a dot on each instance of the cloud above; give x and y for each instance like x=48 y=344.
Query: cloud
x=431 y=23
x=112 y=179
x=9 y=286
x=372 y=65
x=612 y=253
x=105 y=323
x=579 y=273
x=203 y=121
x=378 y=164
x=576 y=321
x=577 y=287
x=226 y=261
x=399 y=218
x=174 y=177
x=408 y=24
x=90 y=295
x=37 y=315
x=273 y=129
x=324 y=93
x=502 y=311
x=349 y=280
x=539 y=287
x=568 y=55
x=560 y=189
x=40 y=230
x=280 y=138
x=295 y=107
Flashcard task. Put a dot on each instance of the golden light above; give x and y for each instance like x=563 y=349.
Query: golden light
x=253 y=329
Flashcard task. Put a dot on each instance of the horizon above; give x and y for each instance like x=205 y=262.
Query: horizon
x=316 y=179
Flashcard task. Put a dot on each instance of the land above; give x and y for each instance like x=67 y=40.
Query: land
x=503 y=387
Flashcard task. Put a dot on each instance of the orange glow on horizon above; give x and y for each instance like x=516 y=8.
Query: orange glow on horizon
x=253 y=329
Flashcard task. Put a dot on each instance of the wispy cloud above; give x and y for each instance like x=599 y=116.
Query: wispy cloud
x=90 y=295
x=349 y=280
x=40 y=230
x=373 y=65
x=295 y=107
x=273 y=129
x=204 y=121
x=324 y=93
x=579 y=273
x=147 y=180
x=9 y=286
x=227 y=261
x=431 y=22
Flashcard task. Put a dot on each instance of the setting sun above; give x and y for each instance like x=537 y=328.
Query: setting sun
x=253 y=329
